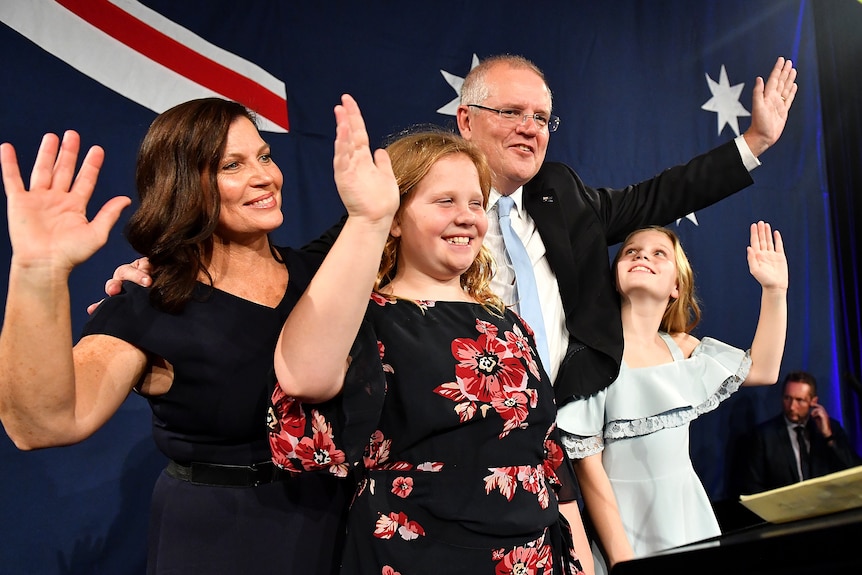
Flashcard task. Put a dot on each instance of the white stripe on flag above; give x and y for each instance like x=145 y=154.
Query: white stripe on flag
x=121 y=68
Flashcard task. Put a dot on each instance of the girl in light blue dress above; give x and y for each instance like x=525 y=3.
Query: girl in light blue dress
x=630 y=442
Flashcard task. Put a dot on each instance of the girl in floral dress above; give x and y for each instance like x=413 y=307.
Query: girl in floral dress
x=441 y=409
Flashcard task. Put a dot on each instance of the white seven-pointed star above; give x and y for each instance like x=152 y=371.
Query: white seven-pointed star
x=451 y=109
x=725 y=102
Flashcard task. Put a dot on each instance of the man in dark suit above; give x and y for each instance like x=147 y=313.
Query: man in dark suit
x=801 y=443
x=567 y=226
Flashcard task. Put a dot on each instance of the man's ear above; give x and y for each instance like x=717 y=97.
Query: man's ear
x=464 y=122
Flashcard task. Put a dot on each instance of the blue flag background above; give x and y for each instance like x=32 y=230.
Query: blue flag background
x=629 y=80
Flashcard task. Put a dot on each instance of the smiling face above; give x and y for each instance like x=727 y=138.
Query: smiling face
x=515 y=151
x=249 y=185
x=647 y=264
x=442 y=223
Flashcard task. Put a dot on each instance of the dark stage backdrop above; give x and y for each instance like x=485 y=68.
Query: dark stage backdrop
x=639 y=86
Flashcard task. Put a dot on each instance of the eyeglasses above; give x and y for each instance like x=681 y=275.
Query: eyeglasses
x=510 y=116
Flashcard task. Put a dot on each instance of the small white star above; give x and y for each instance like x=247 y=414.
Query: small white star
x=725 y=102
x=691 y=217
x=451 y=109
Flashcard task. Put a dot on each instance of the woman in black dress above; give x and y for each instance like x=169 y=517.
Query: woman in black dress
x=197 y=344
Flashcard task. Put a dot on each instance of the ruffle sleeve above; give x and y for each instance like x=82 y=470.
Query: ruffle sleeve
x=646 y=400
x=581 y=423
x=332 y=436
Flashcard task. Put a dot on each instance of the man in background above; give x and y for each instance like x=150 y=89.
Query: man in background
x=800 y=443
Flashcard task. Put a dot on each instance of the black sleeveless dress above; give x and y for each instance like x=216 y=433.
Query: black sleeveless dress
x=221 y=348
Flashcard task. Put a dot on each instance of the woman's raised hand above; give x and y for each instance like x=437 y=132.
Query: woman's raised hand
x=48 y=223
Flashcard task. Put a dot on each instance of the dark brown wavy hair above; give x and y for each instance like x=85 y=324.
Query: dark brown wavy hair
x=412 y=157
x=176 y=178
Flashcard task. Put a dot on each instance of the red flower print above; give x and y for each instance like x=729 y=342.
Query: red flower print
x=513 y=409
x=553 y=454
x=289 y=417
x=387 y=570
x=402 y=486
x=486 y=327
x=531 y=478
x=431 y=466
x=491 y=374
x=377 y=451
x=388 y=525
x=504 y=479
x=519 y=347
x=290 y=445
x=381 y=349
x=320 y=452
x=519 y=561
x=464 y=408
x=381 y=299
x=486 y=368
x=410 y=531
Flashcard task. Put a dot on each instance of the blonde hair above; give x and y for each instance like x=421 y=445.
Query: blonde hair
x=682 y=314
x=412 y=157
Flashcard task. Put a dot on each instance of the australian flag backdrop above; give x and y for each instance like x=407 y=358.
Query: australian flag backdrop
x=639 y=85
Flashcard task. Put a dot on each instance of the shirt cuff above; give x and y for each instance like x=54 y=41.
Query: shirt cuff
x=749 y=160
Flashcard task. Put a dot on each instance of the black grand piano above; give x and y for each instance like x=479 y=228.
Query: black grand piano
x=825 y=545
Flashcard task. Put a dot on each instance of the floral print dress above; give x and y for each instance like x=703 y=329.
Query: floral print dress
x=447 y=421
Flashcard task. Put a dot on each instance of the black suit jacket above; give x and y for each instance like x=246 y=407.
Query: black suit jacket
x=771 y=463
x=577 y=223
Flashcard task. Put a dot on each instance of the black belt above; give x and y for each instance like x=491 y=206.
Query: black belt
x=226 y=475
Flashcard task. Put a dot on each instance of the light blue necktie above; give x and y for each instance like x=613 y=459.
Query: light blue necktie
x=525 y=280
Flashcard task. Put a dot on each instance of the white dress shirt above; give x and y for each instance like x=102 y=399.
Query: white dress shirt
x=503 y=282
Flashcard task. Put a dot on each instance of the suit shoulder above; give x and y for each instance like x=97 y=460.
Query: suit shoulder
x=557 y=176
x=554 y=170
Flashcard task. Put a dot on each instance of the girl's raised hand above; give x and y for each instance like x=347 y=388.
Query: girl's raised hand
x=365 y=182
x=48 y=223
x=766 y=259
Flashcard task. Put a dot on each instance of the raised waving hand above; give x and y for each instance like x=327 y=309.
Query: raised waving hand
x=768 y=264
x=766 y=259
x=770 y=104
x=48 y=223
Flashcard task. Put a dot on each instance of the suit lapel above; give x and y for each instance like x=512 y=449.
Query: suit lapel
x=543 y=205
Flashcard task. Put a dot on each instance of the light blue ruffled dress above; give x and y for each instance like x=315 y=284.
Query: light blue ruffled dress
x=640 y=424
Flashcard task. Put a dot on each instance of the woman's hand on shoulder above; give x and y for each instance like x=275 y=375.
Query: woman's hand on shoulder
x=766 y=259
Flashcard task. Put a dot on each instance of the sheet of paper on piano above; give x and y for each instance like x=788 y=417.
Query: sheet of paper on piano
x=810 y=498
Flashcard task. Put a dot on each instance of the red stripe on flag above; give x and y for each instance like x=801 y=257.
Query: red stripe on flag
x=180 y=58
